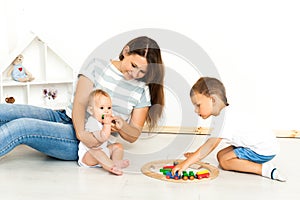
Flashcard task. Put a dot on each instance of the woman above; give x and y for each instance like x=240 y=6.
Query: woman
x=135 y=84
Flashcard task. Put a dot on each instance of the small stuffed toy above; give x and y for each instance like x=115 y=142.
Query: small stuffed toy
x=50 y=93
x=10 y=100
x=18 y=72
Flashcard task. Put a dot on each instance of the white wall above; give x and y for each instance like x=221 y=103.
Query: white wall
x=254 y=44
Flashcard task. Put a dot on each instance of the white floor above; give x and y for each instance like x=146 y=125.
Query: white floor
x=28 y=174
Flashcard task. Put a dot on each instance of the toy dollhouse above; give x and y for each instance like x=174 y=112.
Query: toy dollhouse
x=51 y=72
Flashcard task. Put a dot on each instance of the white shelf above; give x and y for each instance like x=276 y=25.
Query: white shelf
x=35 y=82
x=50 y=70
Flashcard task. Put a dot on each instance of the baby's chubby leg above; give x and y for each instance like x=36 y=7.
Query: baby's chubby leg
x=117 y=153
x=121 y=163
x=97 y=156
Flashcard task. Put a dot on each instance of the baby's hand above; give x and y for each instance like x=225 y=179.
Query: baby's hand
x=106 y=119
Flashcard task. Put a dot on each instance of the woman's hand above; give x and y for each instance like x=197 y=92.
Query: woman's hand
x=83 y=90
x=128 y=131
x=117 y=124
x=132 y=130
x=90 y=140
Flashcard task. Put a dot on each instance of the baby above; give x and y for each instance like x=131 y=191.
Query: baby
x=109 y=156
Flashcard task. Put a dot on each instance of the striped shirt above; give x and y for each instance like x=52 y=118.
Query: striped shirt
x=126 y=95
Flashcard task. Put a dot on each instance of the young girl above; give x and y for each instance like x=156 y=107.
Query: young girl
x=109 y=156
x=248 y=150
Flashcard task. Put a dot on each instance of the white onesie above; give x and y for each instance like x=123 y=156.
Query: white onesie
x=91 y=125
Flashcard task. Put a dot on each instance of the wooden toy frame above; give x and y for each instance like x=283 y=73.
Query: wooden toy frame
x=151 y=169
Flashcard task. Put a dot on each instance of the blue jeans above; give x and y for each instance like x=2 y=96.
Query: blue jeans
x=48 y=131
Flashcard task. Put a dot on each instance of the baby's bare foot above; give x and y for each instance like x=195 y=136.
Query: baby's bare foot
x=115 y=170
x=122 y=163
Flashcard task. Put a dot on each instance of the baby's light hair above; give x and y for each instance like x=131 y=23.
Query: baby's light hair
x=210 y=86
x=96 y=94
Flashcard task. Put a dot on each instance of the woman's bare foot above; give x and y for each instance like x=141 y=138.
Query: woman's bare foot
x=122 y=163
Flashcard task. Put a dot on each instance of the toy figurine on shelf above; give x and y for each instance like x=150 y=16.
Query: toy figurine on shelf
x=50 y=93
x=10 y=100
x=18 y=72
